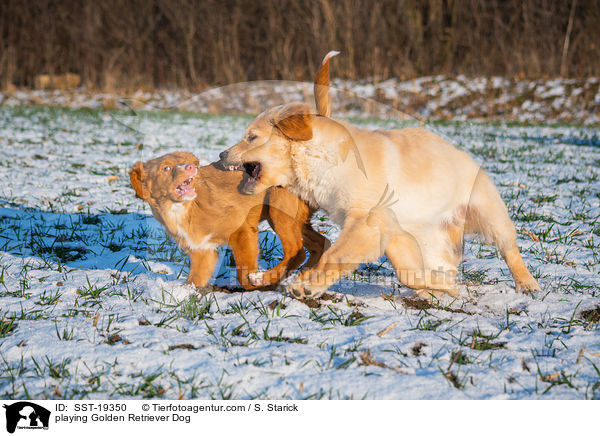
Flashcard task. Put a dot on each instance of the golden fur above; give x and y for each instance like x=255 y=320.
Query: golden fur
x=201 y=209
x=405 y=193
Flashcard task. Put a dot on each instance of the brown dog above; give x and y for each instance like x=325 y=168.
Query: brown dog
x=202 y=209
x=405 y=193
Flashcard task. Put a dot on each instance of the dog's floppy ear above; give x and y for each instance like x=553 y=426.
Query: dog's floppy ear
x=137 y=176
x=295 y=121
x=321 y=89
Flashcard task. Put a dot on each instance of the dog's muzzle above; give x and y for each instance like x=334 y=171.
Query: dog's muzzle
x=225 y=165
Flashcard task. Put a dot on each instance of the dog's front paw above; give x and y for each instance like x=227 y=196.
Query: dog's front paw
x=528 y=287
x=257 y=278
x=434 y=294
x=300 y=290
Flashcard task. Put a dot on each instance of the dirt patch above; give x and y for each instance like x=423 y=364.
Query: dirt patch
x=366 y=359
x=416 y=303
x=485 y=344
x=420 y=304
x=181 y=347
x=417 y=349
x=276 y=303
x=356 y=304
x=113 y=339
x=591 y=315
x=453 y=379
x=329 y=297
x=337 y=298
x=311 y=302
x=355 y=316
x=7 y=327
x=315 y=303
x=213 y=288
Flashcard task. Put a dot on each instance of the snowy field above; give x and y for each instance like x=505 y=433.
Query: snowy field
x=93 y=302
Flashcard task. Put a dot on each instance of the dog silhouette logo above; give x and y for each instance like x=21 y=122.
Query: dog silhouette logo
x=26 y=415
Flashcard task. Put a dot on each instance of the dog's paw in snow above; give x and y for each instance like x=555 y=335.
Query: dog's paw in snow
x=528 y=287
x=437 y=293
x=300 y=290
x=257 y=278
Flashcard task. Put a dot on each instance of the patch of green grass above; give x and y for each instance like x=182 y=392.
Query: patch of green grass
x=541 y=198
x=196 y=308
x=63 y=253
x=477 y=340
x=148 y=386
x=428 y=324
x=7 y=327
x=333 y=316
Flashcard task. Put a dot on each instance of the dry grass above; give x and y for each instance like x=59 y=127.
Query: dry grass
x=148 y=43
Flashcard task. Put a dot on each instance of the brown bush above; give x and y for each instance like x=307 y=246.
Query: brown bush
x=147 y=43
x=57 y=81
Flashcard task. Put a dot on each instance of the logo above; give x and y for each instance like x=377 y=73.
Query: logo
x=26 y=415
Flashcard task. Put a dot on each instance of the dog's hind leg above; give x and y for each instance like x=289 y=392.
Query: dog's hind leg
x=487 y=215
x=419 y=270
x=315 y=243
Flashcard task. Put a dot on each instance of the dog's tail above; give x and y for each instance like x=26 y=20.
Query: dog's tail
x=322 y=99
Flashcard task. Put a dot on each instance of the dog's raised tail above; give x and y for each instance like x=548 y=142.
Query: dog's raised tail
x=322 y=98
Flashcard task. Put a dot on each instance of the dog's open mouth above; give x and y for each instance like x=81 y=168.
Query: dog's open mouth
x=186 y=190
x=253 y=169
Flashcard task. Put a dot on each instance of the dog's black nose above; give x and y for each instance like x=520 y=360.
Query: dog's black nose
x=223 y=155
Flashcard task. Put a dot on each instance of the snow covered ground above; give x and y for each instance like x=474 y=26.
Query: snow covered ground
x=93 y=305
x=427 y=98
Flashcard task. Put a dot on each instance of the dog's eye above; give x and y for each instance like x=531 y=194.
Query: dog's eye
x=251 y=138
x=166 y=169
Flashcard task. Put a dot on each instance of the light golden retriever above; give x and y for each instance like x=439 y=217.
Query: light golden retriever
x=405 y=193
